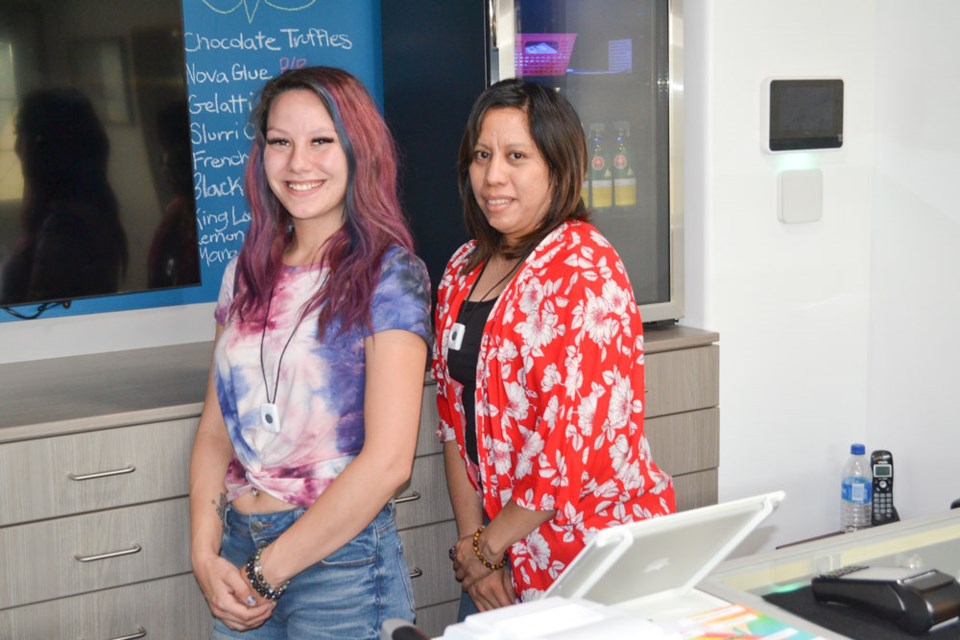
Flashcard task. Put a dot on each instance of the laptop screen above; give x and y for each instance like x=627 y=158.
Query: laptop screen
x=662 y=555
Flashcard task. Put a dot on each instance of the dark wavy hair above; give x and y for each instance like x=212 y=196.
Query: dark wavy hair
x=555 y=128
x=373 y=218
x=64 y=154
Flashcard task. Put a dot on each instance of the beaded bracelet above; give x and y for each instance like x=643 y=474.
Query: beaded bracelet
x=255 y=575
x=476 y=550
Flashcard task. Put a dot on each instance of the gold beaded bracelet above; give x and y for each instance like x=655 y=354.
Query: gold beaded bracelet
x=476 y=550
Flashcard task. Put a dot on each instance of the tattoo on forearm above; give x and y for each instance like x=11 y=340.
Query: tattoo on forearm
x=221 y=508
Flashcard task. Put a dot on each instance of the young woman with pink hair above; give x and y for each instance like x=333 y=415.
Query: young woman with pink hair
x=312 y=410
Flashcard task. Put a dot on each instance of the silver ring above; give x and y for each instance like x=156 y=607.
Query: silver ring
x=452 y=553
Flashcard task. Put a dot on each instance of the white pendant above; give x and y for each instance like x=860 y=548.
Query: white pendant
x=455 y=341
x=270 y=417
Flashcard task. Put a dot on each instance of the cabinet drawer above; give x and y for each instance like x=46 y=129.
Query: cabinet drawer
x=139 y=543
x=428 y=442
x=426 y=552
x=696 y=490
x=168 y=609
x=434 y=619
x=95 y=470
x=682 y=380
x=424 y=499
x=685 y=442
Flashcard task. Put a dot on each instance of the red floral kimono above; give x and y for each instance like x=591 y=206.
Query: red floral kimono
x=559 y=402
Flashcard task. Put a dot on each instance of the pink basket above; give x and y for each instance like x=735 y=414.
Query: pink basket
x=543 y=54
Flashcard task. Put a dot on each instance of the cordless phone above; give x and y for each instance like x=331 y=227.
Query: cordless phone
x=881 y=464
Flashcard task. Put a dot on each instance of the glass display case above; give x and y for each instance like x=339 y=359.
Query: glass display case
x=619 y=63
x=932 y=542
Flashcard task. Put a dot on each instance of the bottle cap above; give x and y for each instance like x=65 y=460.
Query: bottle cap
x=857 y=449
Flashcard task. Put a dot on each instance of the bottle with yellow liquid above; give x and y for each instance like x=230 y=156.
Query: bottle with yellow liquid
x=624 y=180
x=585 y=191
x=601 y=176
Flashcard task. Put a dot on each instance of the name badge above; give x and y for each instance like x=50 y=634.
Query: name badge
x=455 y=341
x=270 y=417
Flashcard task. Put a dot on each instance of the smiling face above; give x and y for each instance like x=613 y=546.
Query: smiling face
x=304 y=161
x=508 y=174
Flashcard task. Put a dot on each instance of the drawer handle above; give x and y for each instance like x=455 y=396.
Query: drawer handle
x=416 y=572
x=101 y=474
x=141 y=633
x=413 y=497
x=112 y=554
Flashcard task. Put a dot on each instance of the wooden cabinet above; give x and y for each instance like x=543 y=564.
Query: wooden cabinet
x=95 y=470
x=683 y=419
x=94 y=454
x=168 y=609
x=67 y=556
x=426 y=526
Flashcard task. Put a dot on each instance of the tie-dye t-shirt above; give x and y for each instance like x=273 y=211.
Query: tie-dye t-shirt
x=320 y=385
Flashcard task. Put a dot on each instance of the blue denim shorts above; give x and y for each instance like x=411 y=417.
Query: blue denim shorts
x=348 y=594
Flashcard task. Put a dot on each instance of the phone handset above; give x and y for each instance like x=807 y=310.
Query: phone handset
x=881 y=464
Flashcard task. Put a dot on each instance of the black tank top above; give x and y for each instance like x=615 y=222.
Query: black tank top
x=462 y=365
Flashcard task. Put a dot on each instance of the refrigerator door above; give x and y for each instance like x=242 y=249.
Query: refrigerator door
x=619 y=64
x=503 y=31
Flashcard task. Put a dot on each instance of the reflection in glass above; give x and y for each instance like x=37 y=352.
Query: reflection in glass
x=127 y=60
x=71 y=242
x=173 y=259
x=618 y=62
x=11 y=182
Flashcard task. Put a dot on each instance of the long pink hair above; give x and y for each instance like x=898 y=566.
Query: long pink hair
x=373 y=219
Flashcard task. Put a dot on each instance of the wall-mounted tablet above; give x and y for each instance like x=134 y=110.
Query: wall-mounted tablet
x=803 y=114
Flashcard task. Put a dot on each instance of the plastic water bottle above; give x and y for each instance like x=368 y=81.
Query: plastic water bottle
x=856 y=491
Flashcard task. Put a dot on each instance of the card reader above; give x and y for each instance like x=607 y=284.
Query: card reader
x=914 y=599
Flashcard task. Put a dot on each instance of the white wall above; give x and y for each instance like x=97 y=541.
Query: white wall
x=820 y=322
x=915 y=267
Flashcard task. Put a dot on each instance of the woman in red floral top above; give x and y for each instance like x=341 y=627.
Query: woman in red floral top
x=539 y=358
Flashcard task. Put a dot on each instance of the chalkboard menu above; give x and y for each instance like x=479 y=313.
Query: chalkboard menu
x=232 y=48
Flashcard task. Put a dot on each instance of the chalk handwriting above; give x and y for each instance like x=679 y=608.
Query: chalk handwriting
x=235 y=159
x=207 y=188
x=227 y=236
x=200 y=133
x=250 y=6
x=231 y=103
x=217 y=256
x=219 y=221
x=225 y=71
x=315 y=37
x=194 y=42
